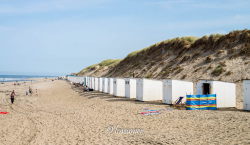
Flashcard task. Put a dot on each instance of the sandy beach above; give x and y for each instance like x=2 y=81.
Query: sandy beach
x=61 y=114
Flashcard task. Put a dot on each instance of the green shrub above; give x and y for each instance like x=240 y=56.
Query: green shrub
x=218 y=70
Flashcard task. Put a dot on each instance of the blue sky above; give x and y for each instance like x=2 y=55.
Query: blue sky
x=55 y=37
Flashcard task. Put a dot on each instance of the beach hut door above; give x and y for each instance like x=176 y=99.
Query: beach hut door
x=206 y=88
x=246 y=97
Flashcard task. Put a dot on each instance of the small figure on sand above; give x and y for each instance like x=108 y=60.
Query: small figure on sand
x=12 y=96
x=30 y=91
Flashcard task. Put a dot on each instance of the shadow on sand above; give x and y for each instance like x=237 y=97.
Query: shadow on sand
x=111 y=98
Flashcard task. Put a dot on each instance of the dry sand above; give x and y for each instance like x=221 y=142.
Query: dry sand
x=62 y=114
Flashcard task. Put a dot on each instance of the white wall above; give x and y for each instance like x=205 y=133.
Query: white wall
x=87 y=81
x=75 y=79
x=225 y=92
x=149 y=90
x=96 y=84
x=119 y=87
x=246 y=94
x=130 y=88
x=90 y=82
x=84 y=82
x=105 y=85
x=110 y=86
x=173 y=89
x=139 y=89
x=80 y=80
x=100 y=84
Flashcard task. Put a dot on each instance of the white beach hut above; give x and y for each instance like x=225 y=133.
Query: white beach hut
x=96 y=84
x=73 y=79
x=87 y=81
x=119 y=87
x=76 y=79
x=225 y=92
x=246 y=94
x=100 y=84
x=149 y=90
x=130 y=88
x=110 y=86
x=105 y=85
x=92 y=82
x=69 y=78
x=173 y=89
x=82 y=80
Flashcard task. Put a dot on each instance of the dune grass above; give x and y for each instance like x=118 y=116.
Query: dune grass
x=190 y=39
x=105 y=63
x=109 y=62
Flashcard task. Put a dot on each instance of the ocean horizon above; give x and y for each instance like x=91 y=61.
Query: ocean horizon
x=16 y=78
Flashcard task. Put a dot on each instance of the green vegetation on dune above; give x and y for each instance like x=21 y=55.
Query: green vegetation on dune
x=105 y=63
x=109 y=62
x=179 y=45
x=136 y=52
x=189 y=39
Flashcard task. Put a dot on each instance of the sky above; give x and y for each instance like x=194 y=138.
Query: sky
x=58 y=37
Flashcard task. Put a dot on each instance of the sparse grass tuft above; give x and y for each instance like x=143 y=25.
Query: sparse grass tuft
x=196 y=70
x=218 y=70
x=183 y=77
x=189 y=39
x=208 y=59
x=228 y=73
x=245 y=50
x=216 y=36
x=109 y=62
x=150 y=75
x=137 y=51
x=178 y=69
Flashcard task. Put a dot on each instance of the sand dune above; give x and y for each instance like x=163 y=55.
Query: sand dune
x=62 y=114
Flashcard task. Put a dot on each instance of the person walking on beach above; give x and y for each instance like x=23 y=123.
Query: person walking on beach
x=12 y=96
x=30 y=91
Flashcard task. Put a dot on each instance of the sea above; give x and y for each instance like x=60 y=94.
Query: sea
x=17 y=78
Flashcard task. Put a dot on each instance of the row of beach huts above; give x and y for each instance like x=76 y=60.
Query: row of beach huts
x=168 y=91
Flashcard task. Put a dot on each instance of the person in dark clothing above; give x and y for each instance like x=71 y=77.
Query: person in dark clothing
x=12 y=96
x=30 y=91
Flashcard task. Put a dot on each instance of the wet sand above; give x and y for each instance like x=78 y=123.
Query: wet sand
x=62 y=114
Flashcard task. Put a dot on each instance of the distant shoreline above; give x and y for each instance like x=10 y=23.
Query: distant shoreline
x=21 y=78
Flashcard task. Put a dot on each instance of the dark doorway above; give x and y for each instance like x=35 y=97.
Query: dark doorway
x=206 y=88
